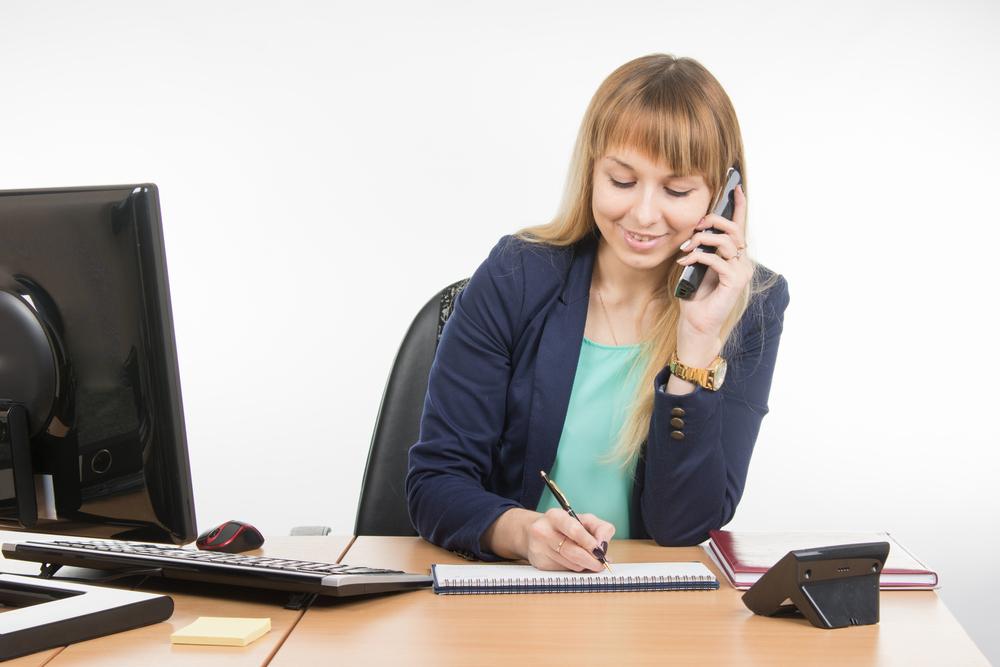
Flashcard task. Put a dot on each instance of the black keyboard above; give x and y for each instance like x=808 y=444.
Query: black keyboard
x=216 y=567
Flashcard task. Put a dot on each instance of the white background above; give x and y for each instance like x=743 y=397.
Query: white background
x=325 y=167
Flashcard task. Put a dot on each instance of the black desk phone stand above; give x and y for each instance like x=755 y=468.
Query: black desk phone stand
x=833 y=587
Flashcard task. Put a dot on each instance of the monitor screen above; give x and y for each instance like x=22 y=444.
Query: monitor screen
x=88 y=368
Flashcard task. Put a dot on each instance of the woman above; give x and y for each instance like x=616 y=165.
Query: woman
x=558 y=354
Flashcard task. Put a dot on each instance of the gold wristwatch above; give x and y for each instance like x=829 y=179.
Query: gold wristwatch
x=710 y=378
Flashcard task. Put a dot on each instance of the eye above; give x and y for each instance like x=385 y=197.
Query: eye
x=672 y=193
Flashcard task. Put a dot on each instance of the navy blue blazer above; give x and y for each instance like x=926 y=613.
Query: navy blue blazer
x=499 y=389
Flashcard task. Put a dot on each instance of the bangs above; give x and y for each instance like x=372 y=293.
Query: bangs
x=669 y=127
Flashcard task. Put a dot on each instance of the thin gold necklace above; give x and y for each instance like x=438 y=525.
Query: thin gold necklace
x=600 y=298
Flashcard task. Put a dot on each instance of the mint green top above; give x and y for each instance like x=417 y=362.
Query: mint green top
x=603 y=390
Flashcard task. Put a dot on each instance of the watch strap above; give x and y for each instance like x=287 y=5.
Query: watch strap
x=703 y=377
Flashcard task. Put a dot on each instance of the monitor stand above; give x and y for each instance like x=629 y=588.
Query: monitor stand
x=14 y=435
x=48 y=614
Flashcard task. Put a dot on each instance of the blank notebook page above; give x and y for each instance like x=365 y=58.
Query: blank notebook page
x=526 y=579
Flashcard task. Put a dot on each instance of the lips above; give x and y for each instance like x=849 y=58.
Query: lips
x=641 y=242
x=641 y=237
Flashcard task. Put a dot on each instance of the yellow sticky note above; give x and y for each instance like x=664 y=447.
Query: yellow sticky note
x=221 y=631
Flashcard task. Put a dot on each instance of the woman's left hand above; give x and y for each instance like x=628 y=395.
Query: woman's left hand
x=702 y=317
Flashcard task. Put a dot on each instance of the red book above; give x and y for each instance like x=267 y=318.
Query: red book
x=745 y=556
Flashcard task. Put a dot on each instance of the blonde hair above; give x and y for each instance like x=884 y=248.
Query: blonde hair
x=673 y=111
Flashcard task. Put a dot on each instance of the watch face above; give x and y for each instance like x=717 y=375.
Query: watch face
x=720 y=374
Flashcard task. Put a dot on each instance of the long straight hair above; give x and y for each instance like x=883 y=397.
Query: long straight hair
x=673 y=111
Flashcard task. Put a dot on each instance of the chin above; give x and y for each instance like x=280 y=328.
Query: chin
x=640 y=261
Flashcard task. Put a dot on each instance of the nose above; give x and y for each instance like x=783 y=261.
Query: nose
x=646 y=212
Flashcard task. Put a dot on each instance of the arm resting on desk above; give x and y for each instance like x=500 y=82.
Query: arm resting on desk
x=464 y=413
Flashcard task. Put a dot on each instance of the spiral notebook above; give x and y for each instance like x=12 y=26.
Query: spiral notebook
x=486 y=579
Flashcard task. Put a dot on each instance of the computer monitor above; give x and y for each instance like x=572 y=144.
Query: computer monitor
x=92 y=439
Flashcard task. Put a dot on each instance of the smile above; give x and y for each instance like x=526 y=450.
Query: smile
x=641 y=237
x=638 y=241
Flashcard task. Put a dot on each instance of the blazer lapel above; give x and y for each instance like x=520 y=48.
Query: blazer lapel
x=555 y=369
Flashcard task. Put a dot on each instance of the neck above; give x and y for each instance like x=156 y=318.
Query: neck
x=622 y=283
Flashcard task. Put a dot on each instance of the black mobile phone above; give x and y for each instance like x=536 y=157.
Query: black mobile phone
x=692 y=275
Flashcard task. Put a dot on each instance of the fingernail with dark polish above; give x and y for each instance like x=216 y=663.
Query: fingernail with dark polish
x=604 y=547
x=598 y=553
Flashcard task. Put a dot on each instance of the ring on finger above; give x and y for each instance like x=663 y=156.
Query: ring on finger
x=559 y=548
x=740 y=252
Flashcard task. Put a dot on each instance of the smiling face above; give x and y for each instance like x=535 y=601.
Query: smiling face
x=644 y=210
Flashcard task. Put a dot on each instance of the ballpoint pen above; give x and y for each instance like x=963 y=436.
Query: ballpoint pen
x=564 y=503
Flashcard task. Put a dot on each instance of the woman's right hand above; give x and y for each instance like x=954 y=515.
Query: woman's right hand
x=550 y=541
x=557 y=541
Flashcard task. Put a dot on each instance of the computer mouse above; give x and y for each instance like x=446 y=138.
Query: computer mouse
x=231 y=537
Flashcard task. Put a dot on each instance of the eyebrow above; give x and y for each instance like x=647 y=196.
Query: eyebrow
x=628 y=166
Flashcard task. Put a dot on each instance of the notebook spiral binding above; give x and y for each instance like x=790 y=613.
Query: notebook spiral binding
x=488 y=585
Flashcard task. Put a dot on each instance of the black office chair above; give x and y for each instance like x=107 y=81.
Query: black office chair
x=382 y=507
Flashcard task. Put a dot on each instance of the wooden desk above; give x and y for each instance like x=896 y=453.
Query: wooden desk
x=692 y=627
x=151 y=645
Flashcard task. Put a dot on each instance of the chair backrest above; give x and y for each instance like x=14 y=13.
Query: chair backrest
x=382 y=509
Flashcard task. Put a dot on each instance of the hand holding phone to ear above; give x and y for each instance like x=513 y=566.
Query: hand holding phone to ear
x=724 y=206
x=727 y=272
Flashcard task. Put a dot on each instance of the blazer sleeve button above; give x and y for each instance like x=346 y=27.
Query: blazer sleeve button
x=677 y=435
x=677 y=422
x=677 y=412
